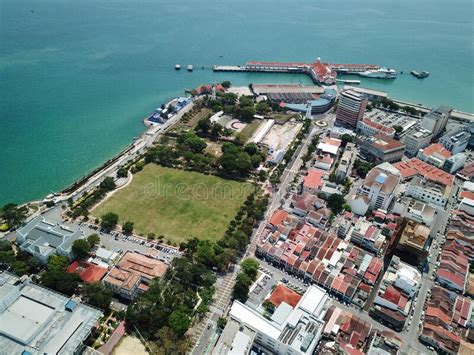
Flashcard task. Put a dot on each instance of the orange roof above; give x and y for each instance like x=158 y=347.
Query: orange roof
x=437 y=148
x=415 y=166
x=278 y=217
x=284 y=294
x=332 y=141
x=134 y=267
x=467 y=194
x=379 y=127
x=313 y=179
x=88 y=272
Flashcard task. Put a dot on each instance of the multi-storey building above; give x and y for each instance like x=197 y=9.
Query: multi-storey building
x=379 y=187
x=368 y=236
x=435 y=121
x=133 y=273
x=368 y=127
x=435 y=154
x=346 y=162
x=428 y=191
x=454 y=163
x=381 y=148
x=416 y=140
x=350 y=109
x=456 y=140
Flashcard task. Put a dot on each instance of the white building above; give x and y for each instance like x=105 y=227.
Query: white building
x=428 y=191
x=42 y=239
x=436 y=120
x=368 y=236
x=454 y=163
x=346 y=162
x=379 y=187
x=456 y=140
x=290 y=330
x=421 y=212
x=416 y=140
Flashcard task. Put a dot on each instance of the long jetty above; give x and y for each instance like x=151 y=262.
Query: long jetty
x=319 y=72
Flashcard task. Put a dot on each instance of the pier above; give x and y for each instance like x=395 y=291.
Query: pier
x=319 y=72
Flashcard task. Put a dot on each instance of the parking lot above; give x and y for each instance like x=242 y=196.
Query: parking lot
x=121 y=243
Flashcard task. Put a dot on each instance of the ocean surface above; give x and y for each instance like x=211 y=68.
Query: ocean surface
x=77 y=77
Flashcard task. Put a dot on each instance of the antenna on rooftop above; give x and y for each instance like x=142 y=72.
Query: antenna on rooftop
x=213 y=95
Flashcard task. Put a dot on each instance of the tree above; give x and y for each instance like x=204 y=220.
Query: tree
x=108 y=184
x=179 y=321
x=127 y=227
x=93 y=240
x=245 y=101
x=262 y=107
x=346 y=138
x=203 y=125
x=81 y=248
x=250 y=267
x=221 y=322
x=241 y=287
x=335 y=203
x=226 y=84
x=57 y=278
x=13 y=215
x=122 y=172
x=398 y=129
x=247 y=113
x=109 y=221
x=97 y=295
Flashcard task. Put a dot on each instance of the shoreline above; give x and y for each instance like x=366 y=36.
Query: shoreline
x=152 y=129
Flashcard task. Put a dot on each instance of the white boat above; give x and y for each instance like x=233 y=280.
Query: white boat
x=177 y=67
x=190 y=67
x=381 y=73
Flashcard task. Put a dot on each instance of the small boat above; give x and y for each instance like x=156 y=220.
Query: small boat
x=177 y=67
x=190 y=67
x=419 y=75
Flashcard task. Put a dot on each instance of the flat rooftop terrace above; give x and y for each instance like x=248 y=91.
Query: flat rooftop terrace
x=41 y=321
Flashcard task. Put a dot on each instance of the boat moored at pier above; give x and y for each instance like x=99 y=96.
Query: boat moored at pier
x=381 y=73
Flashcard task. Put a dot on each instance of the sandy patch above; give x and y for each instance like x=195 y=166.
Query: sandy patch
x=129 y=345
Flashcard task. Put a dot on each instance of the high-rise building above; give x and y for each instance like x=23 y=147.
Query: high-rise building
x=350 y=109
x=435 y=121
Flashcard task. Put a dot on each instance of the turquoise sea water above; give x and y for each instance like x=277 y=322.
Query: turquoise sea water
x=77 y=77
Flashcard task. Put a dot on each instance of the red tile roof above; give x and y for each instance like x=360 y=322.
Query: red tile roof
x=437 y=148
x=314 y=179
x=284 y=294
x=415 y=166
x=88 y=272
x=379 y=127
x=278 y=217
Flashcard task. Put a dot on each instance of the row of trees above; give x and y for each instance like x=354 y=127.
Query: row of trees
x=82 y=206
x=164 y=313
x=245 y=278
x=12 y=215
x=188 y=153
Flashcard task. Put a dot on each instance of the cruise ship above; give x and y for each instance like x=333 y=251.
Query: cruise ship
x=382 y=73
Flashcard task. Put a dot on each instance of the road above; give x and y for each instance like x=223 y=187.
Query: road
x=204 y=331
x=145 y=141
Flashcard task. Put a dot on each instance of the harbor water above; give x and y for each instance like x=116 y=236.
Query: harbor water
x=77 y=77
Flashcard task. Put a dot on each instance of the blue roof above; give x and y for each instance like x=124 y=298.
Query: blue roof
x=70 y=305
x=25 y=352
x=381 y=178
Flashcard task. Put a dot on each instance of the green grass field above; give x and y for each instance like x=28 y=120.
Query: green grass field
x=177 y=204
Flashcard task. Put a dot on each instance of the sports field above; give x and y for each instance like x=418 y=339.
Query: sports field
x=177 y=204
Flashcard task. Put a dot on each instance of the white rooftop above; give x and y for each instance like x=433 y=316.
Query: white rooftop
x=328 y=148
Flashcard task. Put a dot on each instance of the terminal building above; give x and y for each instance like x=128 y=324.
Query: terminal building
x=38 y=321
